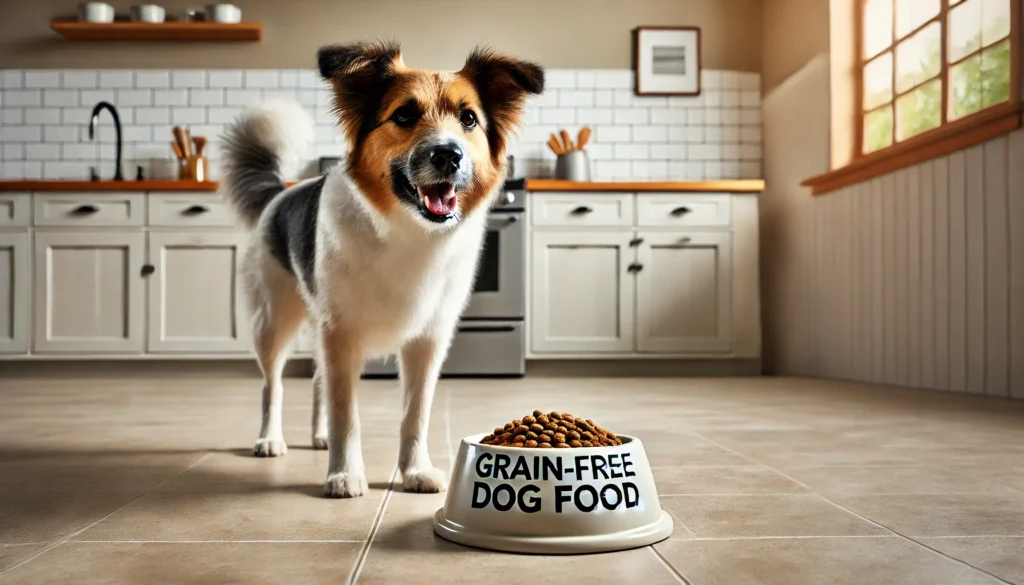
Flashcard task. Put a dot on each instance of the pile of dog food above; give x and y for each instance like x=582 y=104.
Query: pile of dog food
x=551 y=431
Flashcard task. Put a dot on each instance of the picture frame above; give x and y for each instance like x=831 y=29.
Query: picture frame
x=666 y=60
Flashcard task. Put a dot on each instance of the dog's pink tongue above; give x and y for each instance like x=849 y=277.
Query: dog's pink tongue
x=441 y=204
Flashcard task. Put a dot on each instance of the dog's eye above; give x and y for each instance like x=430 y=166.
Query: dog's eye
x=405 y=116
x=468 y=118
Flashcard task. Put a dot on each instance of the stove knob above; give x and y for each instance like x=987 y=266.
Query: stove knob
x=510 y=198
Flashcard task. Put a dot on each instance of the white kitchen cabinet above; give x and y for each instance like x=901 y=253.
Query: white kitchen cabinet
x=582 y=292
x=14 y=292
x=89 y=291
x=683 y=292
x=195 y=300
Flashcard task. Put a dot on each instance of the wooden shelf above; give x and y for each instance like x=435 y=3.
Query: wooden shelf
x=163 y=31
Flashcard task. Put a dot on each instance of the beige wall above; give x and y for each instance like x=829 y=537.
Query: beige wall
x=793 y=32
x=914 y=278
x=434 y=33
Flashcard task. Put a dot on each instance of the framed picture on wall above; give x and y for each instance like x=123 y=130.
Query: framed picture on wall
x=666 y=60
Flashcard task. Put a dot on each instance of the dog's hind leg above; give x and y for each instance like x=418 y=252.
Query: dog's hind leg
x=420 y=365
x=275 y=325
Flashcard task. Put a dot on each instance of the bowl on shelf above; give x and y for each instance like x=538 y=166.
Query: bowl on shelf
x=98 y=12
x=223 y=13
x=552 y=501
x=148 y=13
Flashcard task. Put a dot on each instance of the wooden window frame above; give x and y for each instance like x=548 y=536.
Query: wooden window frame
x=949 y=136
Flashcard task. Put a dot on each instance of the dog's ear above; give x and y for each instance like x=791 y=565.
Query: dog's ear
x=503 y=84
x=360 y=74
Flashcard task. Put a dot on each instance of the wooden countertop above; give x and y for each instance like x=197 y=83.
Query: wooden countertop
x=730 y=186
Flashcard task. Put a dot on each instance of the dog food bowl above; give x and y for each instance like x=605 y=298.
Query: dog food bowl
x=552 y=501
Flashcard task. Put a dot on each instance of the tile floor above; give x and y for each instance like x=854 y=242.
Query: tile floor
x=773 y=481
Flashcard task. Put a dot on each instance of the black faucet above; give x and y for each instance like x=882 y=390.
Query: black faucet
x=117 y=125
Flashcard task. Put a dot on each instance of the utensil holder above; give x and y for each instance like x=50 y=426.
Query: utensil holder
x=573 y=166
x=193 y=168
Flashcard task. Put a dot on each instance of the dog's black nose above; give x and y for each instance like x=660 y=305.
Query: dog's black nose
x=446 y=158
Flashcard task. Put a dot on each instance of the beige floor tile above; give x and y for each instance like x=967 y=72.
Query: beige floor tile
x=38 y=517
x=406 y=550
x=250 y=563
x=1000 y=556
x=93 y=472
x=891 y=479
x=943 y=515
x=825 y=453
x=715 y=480
x=779 y=515
x=665 y=449
x=287 y=514
x=12 y=554
x=815 y=561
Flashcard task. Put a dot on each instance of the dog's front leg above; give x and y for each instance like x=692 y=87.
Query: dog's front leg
x=420 y=365
x=342 y=363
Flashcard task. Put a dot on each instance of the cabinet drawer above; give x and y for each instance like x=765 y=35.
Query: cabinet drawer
x=582 y=209
x=89 y=209
x=683 y=210
x=189 y=209
x=14 y=209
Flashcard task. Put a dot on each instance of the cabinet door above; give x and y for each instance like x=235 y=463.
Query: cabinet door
x=14 y=292
x=684 y=292
x=582 y=292
x=89 y=292
x=195 y=299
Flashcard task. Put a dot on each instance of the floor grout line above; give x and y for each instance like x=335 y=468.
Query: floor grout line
x=378 y=520
x=668 y=566
x=219 y=541
x=856 y=514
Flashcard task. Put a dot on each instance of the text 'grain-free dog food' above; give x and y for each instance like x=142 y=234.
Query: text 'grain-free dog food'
x=552 y=430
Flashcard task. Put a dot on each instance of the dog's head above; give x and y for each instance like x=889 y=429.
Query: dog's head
x=427 y=143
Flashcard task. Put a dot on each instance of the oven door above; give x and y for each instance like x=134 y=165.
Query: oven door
x=499 y=291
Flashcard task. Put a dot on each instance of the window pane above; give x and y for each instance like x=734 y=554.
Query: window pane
x=918 y=58
x=877 y=27
x=919 y=110
x=878 y=82
x=995 y=20
x=878 y=129
x=954 y=2
x=964 y=30
x=995 y=74
x=911 y=14
x=965 y=88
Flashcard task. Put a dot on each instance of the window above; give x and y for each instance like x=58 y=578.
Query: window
x=925 y=64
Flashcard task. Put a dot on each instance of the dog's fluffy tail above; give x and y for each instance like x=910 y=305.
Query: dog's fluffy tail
x=259 y=150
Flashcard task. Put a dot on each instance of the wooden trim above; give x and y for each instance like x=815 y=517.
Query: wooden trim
x=943 y=140
x=162 y=31
x=858 y=78
x=636 y=61
x=729 y=186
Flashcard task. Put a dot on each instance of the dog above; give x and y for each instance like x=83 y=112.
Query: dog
x=378 y=255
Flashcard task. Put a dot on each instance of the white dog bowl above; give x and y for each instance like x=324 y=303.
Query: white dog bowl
x=552 y=501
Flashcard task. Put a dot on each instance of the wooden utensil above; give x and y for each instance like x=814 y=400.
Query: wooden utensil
x=177 y=150
x=188 y=143
x=200 y=142
x=179 y=137
x=583 y=138
x=566 y=142
x=554 y=145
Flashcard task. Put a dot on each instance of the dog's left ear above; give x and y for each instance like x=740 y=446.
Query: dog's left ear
x=360 y=74
x=503 y=84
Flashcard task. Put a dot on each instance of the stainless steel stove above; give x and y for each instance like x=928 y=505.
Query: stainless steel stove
x=490 y=340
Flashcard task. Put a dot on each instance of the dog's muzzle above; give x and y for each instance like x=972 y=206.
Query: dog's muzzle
x=437 y=171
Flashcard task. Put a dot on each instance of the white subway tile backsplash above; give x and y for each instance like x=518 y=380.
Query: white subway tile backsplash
x=84 y=79
x=153 y=79
x=188 y=79
x=634 y=136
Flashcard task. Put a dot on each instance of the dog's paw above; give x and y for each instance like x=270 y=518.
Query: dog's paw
x=345 y=485
x=424 y=481
x=269 y=448
x=320 y=442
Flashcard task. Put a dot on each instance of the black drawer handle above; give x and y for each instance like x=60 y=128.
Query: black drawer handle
x=196 y=210
x=486 y=329
x=636 y=267
x=148 y=269
x=636 y=242
x=682 y=210
x=581 y=210
x=85 y=210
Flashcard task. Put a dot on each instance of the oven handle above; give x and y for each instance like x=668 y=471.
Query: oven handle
x=497 y=224
x=486 y=329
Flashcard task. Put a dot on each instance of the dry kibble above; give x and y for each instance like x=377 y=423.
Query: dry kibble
x=552 y=430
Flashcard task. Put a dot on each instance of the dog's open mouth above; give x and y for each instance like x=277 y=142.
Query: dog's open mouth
x=439 y=199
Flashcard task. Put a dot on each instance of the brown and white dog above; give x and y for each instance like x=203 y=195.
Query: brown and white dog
x=380 y=254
